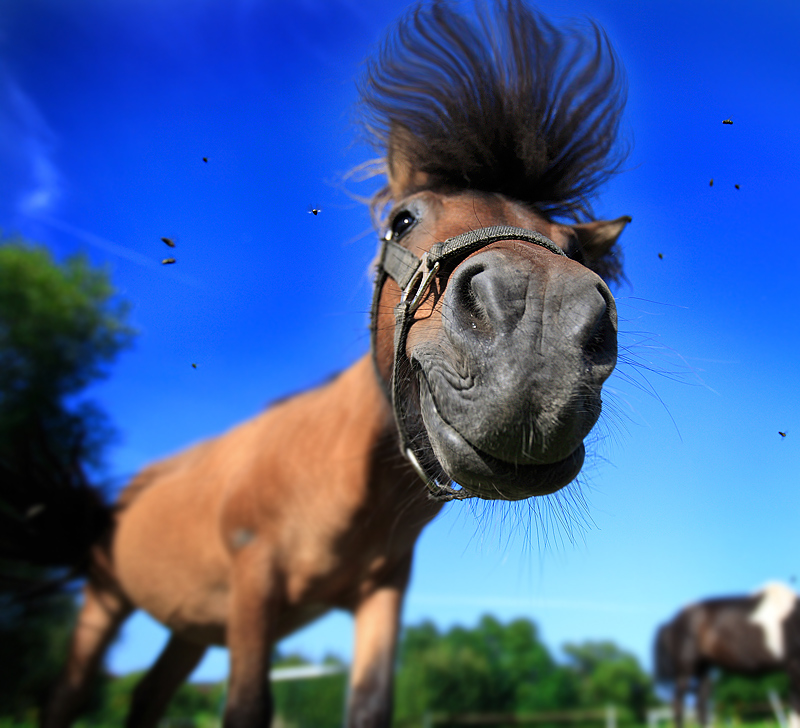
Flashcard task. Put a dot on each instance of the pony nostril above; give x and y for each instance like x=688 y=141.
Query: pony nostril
x=488 y=294
x=470 y=310
x=473 y=308
x=600 y=348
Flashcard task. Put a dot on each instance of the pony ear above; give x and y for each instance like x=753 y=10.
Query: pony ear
x=403 y=175
x=596 y=246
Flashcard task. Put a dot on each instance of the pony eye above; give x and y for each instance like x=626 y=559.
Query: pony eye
x=403 y=220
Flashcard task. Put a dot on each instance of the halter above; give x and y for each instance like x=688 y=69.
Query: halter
x=414 y=276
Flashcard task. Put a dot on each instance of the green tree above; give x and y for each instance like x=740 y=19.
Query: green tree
x=317 y=702
x=608 y=675
x=194 y=704
x=506 y=668
x=61 y=326
x=33 y=642
x=202 y=703
x=738 y=695
x=489 y=668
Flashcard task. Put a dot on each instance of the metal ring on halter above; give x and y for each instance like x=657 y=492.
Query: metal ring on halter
x=436 y=490
x=423 y=277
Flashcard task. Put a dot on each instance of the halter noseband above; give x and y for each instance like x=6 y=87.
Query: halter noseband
x=414 y=276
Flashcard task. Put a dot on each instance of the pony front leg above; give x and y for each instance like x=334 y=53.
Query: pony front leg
x=154 y=691
x=369 y=703
x=250 y=637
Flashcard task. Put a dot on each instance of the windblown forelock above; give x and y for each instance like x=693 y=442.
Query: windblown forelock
x=502 y=102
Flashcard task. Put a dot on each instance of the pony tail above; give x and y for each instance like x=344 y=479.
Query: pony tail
x=51 y=517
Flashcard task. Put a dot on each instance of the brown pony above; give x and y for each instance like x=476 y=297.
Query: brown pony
x=751 y=635
x=492 y=334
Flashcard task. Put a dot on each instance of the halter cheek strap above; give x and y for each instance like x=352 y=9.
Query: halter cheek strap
x=414 y=276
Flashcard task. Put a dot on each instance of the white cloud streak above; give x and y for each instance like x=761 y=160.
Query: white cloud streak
x=115 y=249
x=26 y=150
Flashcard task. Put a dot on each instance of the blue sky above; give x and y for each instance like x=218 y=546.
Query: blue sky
x=106 y=110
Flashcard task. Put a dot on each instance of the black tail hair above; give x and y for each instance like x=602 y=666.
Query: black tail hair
x=50 y=518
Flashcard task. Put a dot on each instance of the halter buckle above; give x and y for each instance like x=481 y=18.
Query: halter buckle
x=419 y=283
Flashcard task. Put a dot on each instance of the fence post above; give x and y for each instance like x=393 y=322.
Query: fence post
x=777 y=708
x=611 y=716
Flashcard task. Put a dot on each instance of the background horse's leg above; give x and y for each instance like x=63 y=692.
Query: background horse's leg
x=156 y=688
x=703 y=695
x=99 y=620
x=369 y=703
x=681 y=685
x=250 y=637
x=791 y=632
x=793 y=668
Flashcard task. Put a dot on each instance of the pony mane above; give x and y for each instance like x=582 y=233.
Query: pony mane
x=505 y=102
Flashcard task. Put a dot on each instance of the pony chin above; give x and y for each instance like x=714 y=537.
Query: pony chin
x=486 y=476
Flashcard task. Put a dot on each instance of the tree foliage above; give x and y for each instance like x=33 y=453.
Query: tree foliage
x=193 y=704
x=311 y=703
x=737 y=695
x=608 y=675
x=61 y=327
x=497 y=668
x=33 y=643
x=489 y=668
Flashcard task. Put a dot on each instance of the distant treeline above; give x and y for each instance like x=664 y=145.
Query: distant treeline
x=489 y=668
x=505 y=668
